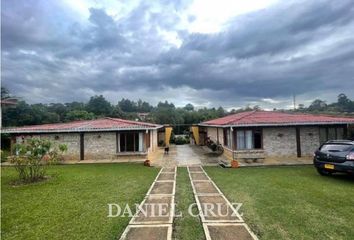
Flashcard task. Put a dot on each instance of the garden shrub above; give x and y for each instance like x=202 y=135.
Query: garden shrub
x=180 y=140
x=33 y=157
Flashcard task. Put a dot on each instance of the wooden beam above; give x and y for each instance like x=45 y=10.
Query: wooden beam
x=82 y=146
x=298 y=142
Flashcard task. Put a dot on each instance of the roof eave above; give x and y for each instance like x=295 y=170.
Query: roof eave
x=80 y=130
x=275 y=124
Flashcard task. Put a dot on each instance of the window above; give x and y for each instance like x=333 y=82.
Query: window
x=248 y=139
x=331 y=133
x=130 y=142
x=227 y=140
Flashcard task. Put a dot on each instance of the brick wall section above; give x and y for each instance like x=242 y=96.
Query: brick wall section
x=310 y=140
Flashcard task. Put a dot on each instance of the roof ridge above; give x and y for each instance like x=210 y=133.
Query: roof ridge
x=243 y=116
x=130 y=121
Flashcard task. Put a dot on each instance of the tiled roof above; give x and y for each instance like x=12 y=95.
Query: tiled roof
x=103 y=124
x=273 y=118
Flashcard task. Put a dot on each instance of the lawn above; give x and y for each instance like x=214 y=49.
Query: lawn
x=186 y=226
x=290 y=202
x=72 y=204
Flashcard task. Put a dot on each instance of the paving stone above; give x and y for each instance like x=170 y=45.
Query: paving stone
x=151 y=212
x=162 y=188
x=195 y=169
x=199 y=176
x=205 y=187
x=168 y=169
x=221 y=209
x=147 y=233
x=229 y=232
x=166 y=176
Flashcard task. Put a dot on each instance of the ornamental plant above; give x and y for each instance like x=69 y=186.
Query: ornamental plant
x=34 y=156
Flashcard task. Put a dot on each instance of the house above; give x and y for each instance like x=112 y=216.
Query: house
x=271 y=136
x=100 y=139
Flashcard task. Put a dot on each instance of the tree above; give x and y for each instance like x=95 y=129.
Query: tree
x=127 y=106
x=99 y=106
x=189 y=107
x=79 y=115
x=317 y=105
x=59 y=109
x=344 y=103
x=5 y=94
x=165 y=105
x=143 y=106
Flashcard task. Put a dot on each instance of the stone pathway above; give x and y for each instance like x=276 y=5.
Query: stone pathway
x=187 y=155
x=219 y=218
x=148 y=223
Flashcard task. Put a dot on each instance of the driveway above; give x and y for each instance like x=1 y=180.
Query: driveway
x=187 y=155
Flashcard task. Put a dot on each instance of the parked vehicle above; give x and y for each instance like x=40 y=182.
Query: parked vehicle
x=335 y=156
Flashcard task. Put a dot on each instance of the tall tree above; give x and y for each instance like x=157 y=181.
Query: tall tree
x=99 y=106
x=189 y=107
x=127 y=106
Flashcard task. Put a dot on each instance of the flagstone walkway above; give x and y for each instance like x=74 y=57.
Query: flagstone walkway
x=153 y=220
x=219 y=217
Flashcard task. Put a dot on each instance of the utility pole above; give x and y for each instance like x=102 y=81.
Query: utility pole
x=294 y=101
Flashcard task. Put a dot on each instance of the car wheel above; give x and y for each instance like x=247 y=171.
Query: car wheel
x=323 y=172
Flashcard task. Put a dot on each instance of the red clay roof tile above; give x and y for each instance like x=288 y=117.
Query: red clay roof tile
x=104 y=124
x=260 y=118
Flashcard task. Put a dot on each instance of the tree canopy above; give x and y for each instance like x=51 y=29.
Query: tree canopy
x=164 y=113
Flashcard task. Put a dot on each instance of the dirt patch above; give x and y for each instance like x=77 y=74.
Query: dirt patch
x=229 y=232
x=219 y=208
x=155 y=209
x=204 y=187
x=166 y=176
x=195 y=169
x=147 y=233
x=199 y=176
x=162 y=188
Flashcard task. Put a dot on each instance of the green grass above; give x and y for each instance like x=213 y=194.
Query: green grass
x=290 y=202
x=72 y=204
x=187 y=226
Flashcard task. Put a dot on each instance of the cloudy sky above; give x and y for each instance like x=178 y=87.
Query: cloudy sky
x=208 y=53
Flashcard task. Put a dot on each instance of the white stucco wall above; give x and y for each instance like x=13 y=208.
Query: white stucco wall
x=213 y=134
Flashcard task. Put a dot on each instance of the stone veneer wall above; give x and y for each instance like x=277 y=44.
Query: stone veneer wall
x=279 y=141
x=310 y=140
x=72 y=141
x=100 y=145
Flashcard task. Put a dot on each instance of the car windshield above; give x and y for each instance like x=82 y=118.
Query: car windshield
x=336 y=147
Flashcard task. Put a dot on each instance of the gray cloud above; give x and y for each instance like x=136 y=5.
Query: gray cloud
x=300 y=47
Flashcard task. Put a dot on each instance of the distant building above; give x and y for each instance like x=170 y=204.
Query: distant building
x=143 y=116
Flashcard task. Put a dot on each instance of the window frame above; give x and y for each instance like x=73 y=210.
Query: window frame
x=135 y=142
x=257 y=129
